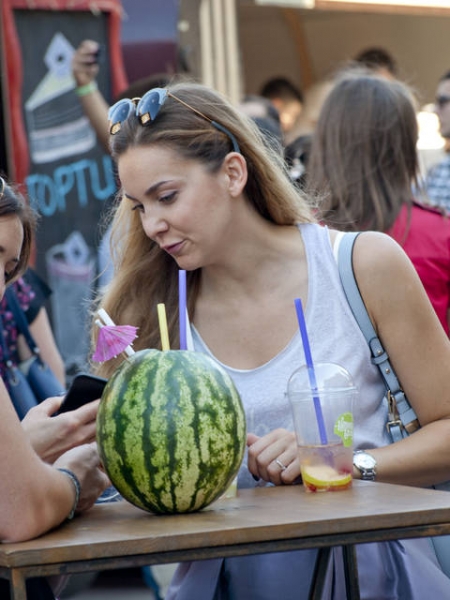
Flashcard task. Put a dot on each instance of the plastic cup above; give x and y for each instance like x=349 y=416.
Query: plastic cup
x=324 y=467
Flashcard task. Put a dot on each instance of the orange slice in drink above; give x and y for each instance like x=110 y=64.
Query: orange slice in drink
x=322 y=478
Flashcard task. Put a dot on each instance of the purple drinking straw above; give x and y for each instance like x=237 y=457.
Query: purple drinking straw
x=182 y=311
x=311 y=372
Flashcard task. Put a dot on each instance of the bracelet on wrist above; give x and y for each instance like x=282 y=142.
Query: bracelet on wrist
x=84 y=90
x=76 y=484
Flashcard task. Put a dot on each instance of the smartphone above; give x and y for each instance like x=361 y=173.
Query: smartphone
x=83 y=389
x=96 y=56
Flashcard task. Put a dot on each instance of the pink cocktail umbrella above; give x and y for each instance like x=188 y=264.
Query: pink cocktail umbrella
x=113 y=340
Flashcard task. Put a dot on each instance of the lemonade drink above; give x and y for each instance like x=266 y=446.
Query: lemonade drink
x=326 y=468
x=326 y=464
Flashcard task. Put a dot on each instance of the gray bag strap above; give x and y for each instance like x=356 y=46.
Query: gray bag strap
x=402 y=418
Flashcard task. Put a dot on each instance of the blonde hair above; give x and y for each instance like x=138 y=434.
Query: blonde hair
x=144 y=274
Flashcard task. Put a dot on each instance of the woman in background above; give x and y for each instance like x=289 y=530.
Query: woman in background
x=363 y=165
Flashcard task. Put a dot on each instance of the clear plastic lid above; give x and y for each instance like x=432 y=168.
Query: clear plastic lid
x=329 y=377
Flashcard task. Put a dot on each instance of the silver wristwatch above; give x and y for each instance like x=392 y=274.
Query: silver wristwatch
x=366 y=465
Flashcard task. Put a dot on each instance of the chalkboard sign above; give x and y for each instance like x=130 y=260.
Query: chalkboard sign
x=52 y=147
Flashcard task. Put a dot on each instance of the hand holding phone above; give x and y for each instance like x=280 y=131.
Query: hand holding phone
x=83 y=389
x=95 y=56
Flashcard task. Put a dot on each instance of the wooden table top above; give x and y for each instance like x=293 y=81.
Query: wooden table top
x=254 y=516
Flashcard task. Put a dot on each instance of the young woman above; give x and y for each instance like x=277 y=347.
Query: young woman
x=35 y=496
x=201 y=192
x=363 y=163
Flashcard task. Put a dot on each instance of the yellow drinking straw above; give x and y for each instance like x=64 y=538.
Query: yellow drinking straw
x=164 y=332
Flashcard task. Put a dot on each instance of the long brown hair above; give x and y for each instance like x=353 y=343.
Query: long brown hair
x=12 y=203
x=363 y=159
x=144 y=274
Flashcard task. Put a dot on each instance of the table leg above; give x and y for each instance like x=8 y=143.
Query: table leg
x=320 y=572
x=351 y=572
x=18 y=585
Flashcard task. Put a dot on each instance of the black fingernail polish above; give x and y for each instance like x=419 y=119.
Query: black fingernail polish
x=255 y=477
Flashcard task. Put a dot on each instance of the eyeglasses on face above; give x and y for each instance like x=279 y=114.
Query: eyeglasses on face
x=442 y=101
x=147 y=108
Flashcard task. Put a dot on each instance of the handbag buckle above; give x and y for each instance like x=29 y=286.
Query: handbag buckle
x=392 y=408
x=394 y=423
x=394 y=417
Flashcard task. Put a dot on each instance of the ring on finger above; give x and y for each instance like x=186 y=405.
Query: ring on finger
x=280 y=464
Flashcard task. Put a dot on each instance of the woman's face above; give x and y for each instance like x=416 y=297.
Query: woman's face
x=11 y=239
x=183 y=208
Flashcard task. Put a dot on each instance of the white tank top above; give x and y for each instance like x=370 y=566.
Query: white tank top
x=334 y=337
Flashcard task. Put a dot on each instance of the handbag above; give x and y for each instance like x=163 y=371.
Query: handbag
x=37 y=381
x=402 y=420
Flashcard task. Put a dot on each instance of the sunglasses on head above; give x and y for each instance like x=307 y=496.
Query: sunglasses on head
x=147 y=108
x=442 y=101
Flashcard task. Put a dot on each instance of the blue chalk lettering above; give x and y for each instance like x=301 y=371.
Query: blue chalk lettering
x=42 y=194
x=79 y=170
x=110 y=184
x=76 y=181
x=64 y=181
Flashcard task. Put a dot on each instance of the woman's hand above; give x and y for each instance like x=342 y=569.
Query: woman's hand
x=52 y=436
x=274 y=457
x=84 y=462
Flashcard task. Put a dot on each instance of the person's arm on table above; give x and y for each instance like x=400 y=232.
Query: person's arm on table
x=34 y=496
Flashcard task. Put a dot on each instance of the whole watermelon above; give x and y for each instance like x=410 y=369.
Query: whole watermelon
x=171 y=430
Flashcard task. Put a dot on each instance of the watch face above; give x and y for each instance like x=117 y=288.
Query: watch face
x=364 y=460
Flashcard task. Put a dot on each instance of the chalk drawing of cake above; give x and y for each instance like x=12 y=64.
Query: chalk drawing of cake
x=57 y=126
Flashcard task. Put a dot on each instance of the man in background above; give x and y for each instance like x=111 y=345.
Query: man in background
x=378 y=60
x=287 y=99
x=437 y=180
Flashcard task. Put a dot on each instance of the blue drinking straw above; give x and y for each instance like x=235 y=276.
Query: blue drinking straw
x=182 y=311
x=311 y=372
